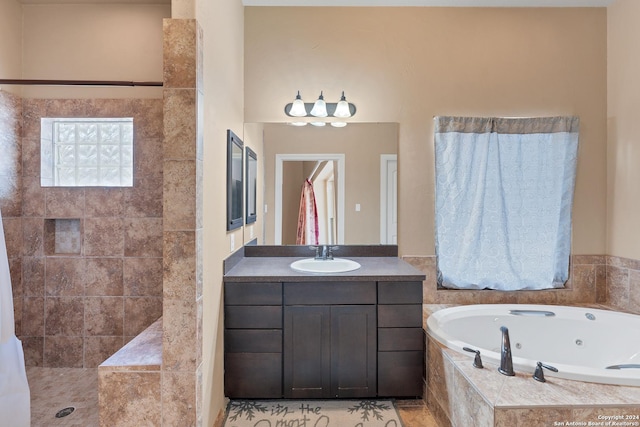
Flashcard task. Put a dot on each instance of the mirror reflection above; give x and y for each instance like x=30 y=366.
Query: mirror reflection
x=353 y=176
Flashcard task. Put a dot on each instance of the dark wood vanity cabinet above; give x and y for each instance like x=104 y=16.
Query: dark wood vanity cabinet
x=323 y=339
x=330 y=340
x=253 y=340
x=401 y=340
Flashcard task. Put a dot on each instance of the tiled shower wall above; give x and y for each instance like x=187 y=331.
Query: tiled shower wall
x=11 y=191
x=75 y=310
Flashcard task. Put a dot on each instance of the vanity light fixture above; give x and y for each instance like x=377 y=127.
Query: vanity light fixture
x=341 y=109
x=320 y=107
x=338 y=124
x=297 y=107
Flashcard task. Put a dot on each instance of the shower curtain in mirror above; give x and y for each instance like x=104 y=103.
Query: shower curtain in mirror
x=307 y=216
x=504 y=192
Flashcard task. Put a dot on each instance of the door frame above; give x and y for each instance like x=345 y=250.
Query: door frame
x=339 y=158
x=384 y=194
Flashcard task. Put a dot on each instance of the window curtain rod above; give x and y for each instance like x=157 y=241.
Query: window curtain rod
x=30 y=82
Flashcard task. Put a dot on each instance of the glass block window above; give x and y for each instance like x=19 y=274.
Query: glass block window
x=87 y=152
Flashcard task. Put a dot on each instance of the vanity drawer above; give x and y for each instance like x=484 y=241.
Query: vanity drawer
x=400 y=339
x=253 y=317
x=400 y=373
x=253 y=375
x=253 y=340
x=328 y=293
x=400 y=316
x=399 y=292
x=253 y=293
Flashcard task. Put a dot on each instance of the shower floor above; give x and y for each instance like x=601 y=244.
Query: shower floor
x=53 y=389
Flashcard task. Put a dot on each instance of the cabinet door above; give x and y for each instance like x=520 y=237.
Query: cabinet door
x=307 y=346
x=353 y=351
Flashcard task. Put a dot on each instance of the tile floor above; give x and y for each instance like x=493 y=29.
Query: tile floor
x=53 y=389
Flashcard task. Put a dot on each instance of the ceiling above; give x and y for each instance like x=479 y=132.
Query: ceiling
x=442 y=3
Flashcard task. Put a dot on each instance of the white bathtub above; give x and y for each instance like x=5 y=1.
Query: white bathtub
x=580 y=342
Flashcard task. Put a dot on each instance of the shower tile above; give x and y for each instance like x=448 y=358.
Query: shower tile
x=145 y=198
x=179 y=125
x=148 y=118
x=147 y=159
x=11 y=192
x=33 y=317
x=129 y=398
x=104 y=277
x=103 y=202
x=179 y=265
x=33 y=196
x=64 y=316
x=15 y=274
x=33 y=348
x=143 y=277
x=143 y=237
x=18 y=302
x=109 y=108
x=53 y=389
x=68 y=107
x=103 y=237
x=32 y=111
x=64 y=276
x=588 y=259
x=180 y=53
x=179 y=335
x=178 y=398
x=139 y=313
x=615 y=261
x=104 y=316
x=179 y=192
x=61 y=202
x=99 y=349
x=33 y=236
x=63 y=352
x=13 y=236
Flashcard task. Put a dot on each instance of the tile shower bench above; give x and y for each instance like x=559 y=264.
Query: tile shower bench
x=129 y=381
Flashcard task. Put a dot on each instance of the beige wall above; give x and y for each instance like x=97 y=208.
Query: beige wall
x=623 y=155
x=93 y=42
x=10 y=42
x=222 y=23
x=362 y=144
x=252 y=138
x=407 y=65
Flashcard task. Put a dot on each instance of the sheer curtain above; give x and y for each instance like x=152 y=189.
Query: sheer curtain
x=504 y=192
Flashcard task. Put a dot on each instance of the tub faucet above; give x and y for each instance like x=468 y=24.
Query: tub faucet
x=506 y=362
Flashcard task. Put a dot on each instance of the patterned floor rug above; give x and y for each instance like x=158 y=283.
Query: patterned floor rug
x=308 y=413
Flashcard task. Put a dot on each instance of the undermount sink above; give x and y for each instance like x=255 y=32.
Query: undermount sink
x=336 y=265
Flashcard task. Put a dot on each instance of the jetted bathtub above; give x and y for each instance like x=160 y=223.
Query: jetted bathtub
x=584 y=344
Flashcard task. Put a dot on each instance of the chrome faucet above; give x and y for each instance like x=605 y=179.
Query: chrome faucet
x=323 y=252
x=506 y=362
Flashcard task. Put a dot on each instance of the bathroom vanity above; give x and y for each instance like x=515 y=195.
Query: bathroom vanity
x=291 y=334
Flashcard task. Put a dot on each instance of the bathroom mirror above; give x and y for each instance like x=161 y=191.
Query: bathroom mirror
x=361 y=189
x=234 y=181
x=251 y=187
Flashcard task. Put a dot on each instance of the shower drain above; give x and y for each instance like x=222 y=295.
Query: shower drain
x=64 y=412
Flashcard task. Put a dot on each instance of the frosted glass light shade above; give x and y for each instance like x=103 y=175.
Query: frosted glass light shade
x=338 y=124
x=297 y=107
x=319 y=108
x=342 y=109
x=319 y=124
x=298 y=123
